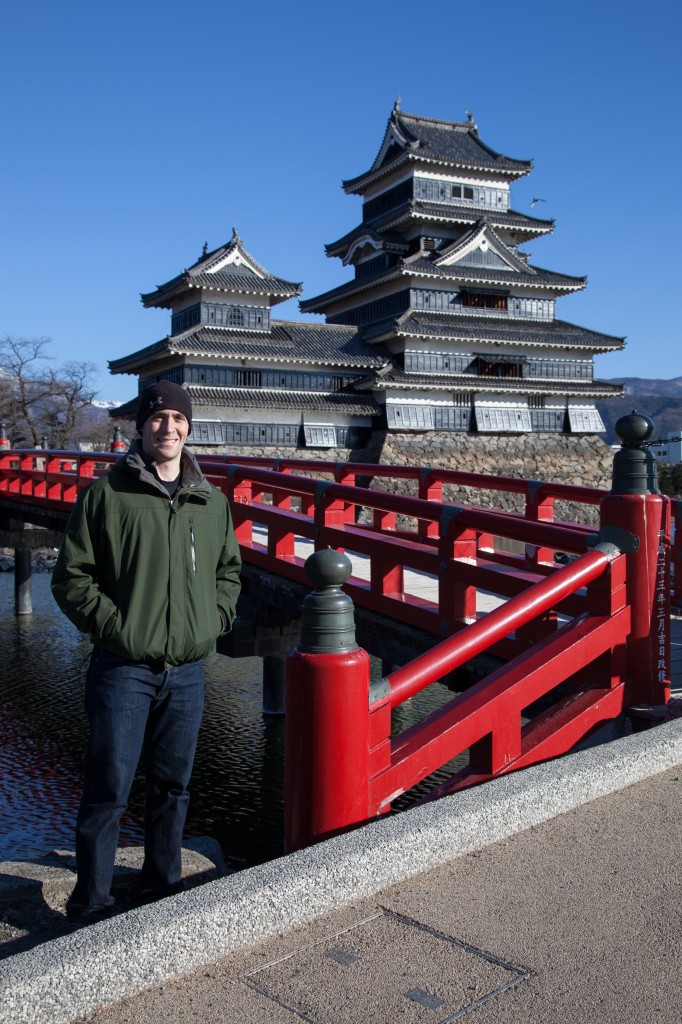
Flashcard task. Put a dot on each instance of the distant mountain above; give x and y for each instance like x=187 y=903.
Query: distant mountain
x=650 y=386
x=660 y=399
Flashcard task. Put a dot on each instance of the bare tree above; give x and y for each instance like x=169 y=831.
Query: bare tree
x=71 y=393
x=36 y=400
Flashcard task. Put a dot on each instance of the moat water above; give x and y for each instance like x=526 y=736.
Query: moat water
x=238 y=780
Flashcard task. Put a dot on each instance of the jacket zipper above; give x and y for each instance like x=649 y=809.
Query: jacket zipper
x=193 y=547
x=173 y=512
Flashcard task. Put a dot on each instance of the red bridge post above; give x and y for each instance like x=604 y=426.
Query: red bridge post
x=637 y=518
x=327 y=713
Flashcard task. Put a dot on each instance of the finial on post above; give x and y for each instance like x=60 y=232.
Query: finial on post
x=634 y=467
x=327 y=617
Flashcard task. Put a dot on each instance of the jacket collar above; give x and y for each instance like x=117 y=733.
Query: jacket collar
x=191 y=476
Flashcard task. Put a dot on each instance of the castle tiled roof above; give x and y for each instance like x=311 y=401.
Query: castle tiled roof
x=500 y=329
x=494 y=275
x=263 y=398
x=229 y=268
x=420 y=210
x=395 y=377
x=312 y=343
x=426 y=139
x=426 y=267
x=384 y=241
x=273 y=398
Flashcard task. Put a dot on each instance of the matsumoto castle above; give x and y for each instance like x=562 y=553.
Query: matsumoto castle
x=444 y=326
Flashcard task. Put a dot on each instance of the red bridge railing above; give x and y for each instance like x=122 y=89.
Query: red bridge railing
x=281 y=516
x=592 y=633
x=352 y=772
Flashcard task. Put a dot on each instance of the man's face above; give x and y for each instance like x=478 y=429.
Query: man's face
x=164 y=434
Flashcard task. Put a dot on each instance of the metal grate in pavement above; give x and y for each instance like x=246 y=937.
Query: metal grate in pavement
x=385 y=967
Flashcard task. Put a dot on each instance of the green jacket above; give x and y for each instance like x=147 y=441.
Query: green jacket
x=149 y=578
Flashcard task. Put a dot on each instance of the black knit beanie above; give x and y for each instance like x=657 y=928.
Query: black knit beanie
x=163 y=395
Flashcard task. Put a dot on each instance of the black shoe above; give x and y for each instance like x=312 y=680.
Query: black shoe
x=77 y=914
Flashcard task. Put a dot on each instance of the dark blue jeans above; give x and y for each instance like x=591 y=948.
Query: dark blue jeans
x=131 y=708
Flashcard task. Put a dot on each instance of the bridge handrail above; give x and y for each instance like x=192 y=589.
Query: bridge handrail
x=456 y=650
x=453 y=544
x=483 y=520
x=426 y=476
x=486 y=720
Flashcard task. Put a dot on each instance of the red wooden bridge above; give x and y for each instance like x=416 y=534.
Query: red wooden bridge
x=587 y=636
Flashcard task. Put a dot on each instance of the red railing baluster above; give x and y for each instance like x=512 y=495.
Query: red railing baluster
x=539 y=509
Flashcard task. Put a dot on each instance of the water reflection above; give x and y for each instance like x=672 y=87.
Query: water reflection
x=238 y=781
x=237 y=786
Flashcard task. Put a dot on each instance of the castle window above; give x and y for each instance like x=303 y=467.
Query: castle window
x=185 y=319
x=247 y=378
x=445 y=418
x=495 y=419
x=547 y=420
x=221 y=315
x=387 y=201
x=409 y=417
x=280 y=434
x=320 y=435
x=483 y=300
x=585 y=421
x=499 y=366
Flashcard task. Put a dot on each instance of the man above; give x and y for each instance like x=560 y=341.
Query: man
x=149 y=568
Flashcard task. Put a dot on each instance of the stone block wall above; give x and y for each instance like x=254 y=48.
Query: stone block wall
x=584 y=461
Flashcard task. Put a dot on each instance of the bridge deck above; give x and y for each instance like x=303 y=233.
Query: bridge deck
x=418 y=584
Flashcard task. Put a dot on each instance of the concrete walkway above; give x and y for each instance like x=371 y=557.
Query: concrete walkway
x=550 y=895
x=574 y=920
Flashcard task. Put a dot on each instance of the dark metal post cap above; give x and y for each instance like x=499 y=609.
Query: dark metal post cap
x=634 y=428
x=634 y=467
x=327 y=616
x=328 y=568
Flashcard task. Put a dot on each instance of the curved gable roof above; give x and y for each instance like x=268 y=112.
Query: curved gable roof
x=453 y=143
x=230 y=268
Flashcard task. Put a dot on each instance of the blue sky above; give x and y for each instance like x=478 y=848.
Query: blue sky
x=135 y=132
